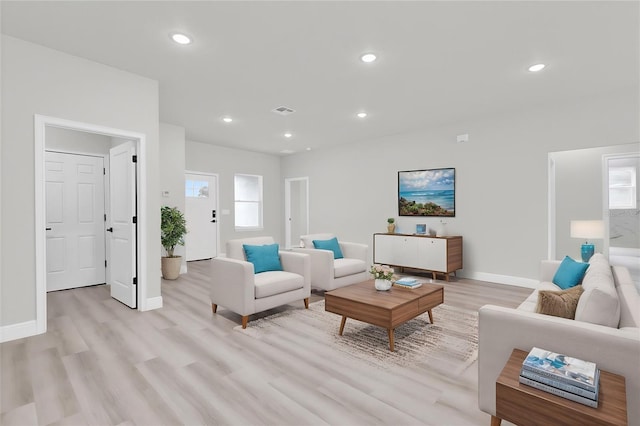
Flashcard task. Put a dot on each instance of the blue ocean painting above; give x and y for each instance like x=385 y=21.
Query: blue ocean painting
x=427 y=192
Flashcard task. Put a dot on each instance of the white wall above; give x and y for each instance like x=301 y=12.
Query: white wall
x=172 y=166
x=226 y=162
x=579 y=193
x=74 y=141
x=501 y=179
x=38 y=80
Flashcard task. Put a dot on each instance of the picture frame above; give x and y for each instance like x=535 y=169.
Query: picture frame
x=427 y=192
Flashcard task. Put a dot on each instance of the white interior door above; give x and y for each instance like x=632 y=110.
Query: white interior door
x=296 y=210
x=201 y=241
x=74 y=192
x=122 y=224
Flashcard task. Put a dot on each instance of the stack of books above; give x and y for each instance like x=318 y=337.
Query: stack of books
x=407 y=282
x=561 y=375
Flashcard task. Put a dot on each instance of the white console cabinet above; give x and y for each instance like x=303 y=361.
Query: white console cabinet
x=435 y=254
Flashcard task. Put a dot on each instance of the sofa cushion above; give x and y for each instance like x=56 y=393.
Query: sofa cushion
x=530 y=303
x=569 y=273
x=331 y=244
x=276 y=282
x=599 y=304
x=264 y=258
x=344 y=267
x=561 y=303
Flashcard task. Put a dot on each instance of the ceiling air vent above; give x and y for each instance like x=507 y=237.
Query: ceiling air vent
x=283 y=110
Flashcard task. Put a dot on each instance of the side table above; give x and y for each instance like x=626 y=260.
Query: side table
x=525 y=405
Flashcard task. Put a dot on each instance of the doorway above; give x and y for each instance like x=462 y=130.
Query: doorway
x=43 y=125
x=296 y=199
x=201 y=214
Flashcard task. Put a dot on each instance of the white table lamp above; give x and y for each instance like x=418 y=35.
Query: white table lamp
x=587 y=229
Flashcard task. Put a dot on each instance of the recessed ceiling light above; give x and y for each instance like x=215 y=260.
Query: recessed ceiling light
x=308 y=148
x=227 y=119
x=180 y=38
x=362 y=114
x=368 y=57
x=287 y=135
x=536 y=67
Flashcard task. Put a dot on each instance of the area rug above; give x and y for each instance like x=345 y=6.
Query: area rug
x=450 y=344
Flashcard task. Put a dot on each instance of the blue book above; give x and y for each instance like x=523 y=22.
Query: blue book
x=559 y=392
x=568 y=370
x=563 y=385
x=407 y=281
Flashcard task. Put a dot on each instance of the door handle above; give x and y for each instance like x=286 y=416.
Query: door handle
x=213 y=221
x=109 y=229
x=47 y=229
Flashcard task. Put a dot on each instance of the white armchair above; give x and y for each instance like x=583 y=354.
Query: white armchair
x=328 y=273
x=235 y=286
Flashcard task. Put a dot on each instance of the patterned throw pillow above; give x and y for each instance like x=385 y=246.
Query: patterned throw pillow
x=559 y=303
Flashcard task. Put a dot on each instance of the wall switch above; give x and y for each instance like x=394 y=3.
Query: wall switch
x=165 y=193
x=463 y=138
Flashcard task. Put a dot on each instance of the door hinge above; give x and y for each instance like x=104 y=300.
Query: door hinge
x=104 y=171
x=135 y=280
x=105 y=263
x=134 y=158
x=135 y=219
x=105 y=217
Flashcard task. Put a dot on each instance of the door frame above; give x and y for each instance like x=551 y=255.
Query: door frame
x=218 y=214
x=40 y=124
x=287 y=207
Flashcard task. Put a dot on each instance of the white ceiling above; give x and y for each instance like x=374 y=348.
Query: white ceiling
x=439 y=62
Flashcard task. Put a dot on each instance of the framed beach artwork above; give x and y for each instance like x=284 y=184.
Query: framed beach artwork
x=430 y=192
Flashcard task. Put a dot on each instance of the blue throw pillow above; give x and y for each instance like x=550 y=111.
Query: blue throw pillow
x=264 y=258
x=569 y=273
x=331 y=244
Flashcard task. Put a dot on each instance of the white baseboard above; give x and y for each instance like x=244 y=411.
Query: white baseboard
x=18 y=331
x=502 y=279
x=153 y=303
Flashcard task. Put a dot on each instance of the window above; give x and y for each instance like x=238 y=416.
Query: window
x=196 y=189
x=248 y=201
x=622 y=188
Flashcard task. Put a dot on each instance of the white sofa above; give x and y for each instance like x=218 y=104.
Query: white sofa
x=614 y=347
x=235 y=286
x=328 y=273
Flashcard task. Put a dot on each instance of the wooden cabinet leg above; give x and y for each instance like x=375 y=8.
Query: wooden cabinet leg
x=344 y=320
x=306 y=303
x=214 y=307
x=495 y=421
x=245 y=320
x=430 y=316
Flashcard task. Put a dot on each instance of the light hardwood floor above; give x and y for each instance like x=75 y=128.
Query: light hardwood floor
x=102 y=363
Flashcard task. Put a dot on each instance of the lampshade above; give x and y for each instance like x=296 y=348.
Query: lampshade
x=587 y=229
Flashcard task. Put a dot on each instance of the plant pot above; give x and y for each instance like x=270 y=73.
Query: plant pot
x=382 y=285
x=171 y=267
x=391 y=228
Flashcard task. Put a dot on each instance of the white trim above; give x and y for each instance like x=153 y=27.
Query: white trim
x=152 y=303
x=502 y=279
x=287 y=208
x=551 y=212
x=18 y=331
x=40 y=123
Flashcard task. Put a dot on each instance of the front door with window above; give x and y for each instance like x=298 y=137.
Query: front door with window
x=201 y=241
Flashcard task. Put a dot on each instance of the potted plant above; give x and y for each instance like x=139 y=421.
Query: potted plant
x=391 y=227
x=173 y=229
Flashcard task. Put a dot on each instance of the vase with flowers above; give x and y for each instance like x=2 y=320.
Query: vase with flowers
x=382 y=275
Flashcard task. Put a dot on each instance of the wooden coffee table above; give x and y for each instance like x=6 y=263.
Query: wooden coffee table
x=387 y=309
